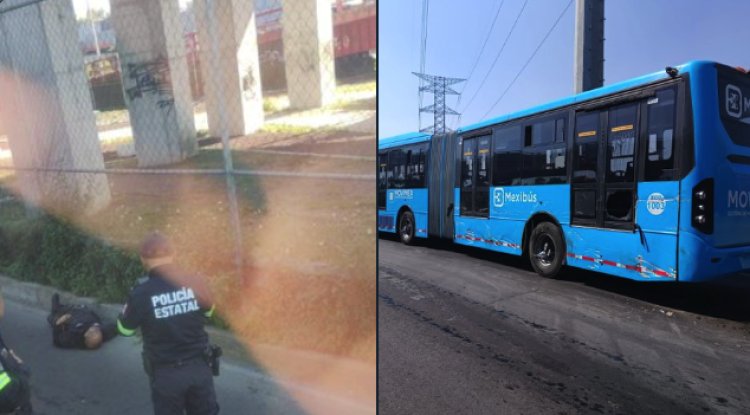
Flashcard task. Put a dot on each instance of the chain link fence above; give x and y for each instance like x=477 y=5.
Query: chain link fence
x=244 y=130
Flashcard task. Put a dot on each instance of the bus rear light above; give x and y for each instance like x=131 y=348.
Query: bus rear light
x=703 y=206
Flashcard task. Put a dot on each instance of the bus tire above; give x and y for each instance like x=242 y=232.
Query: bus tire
x=546 y=249
x=406 y=226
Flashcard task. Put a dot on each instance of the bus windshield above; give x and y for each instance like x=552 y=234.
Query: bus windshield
x=734 y=104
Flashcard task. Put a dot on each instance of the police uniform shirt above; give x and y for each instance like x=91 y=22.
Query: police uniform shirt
x=170 y=316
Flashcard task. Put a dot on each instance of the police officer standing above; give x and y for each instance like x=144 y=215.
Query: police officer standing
x=15 y=394
x=171 y=307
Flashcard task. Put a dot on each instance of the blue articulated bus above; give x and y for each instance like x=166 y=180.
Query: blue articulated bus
x=647 y=179
x=402 y=185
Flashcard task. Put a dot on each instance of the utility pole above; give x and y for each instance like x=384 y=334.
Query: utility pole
x=588 y=69
x=439 y=86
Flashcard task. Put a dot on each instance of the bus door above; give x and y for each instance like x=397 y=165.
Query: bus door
x=605 y=200
x=475 y=177
x=604 y=166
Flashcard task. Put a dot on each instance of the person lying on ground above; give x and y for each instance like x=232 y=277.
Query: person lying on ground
x=77 y=326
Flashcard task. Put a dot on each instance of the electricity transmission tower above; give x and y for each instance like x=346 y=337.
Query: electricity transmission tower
x=439 y=86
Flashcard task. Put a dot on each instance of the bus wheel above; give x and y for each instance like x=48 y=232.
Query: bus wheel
x=546 y=249
x=406 y=228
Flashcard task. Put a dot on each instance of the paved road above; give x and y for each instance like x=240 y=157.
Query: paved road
x=467 y=331
x=111 y=380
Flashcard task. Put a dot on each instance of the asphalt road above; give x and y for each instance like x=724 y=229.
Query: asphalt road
x=111 y=380
x=468 y=331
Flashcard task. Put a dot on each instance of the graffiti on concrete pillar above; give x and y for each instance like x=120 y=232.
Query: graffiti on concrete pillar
x=249 y=87
x=152 y=78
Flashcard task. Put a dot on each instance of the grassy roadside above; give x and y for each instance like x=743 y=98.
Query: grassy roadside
x=309 y=245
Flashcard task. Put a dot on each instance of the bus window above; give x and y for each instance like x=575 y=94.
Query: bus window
x=586 y=149
x=396 y=169
x=506 y=158
x=482 y=190
x=543 y=133
x=620 y=205
x=661 y=121
x=409 y=163
x=621 y=144
x=382 y=179
x=544 y=161
x=560 y=130
x=544 y=166
x=584 y=204
x=467 y=175
x=415 y=166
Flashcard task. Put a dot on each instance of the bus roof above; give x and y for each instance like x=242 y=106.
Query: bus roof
x=403 y=139
x=588 y=95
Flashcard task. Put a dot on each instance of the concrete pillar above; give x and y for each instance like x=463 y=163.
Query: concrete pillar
x=231 y=72
x=588 y=68
x=307 y=30
x=155 y=79
x=48 y=114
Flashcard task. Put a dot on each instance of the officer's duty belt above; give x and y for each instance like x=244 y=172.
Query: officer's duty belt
x=179 y=363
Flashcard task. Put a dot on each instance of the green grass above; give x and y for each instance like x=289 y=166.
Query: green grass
x=291 y=129
x=114 y=117
x=274 y=103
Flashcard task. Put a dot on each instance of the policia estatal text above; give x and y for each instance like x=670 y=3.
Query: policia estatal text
x=171 y=307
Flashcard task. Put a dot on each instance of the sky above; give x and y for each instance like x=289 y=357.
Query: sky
x=642 y=36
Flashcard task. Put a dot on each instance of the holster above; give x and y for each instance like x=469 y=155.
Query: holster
x=212 y=355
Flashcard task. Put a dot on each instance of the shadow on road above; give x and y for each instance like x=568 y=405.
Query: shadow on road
x=727 y=298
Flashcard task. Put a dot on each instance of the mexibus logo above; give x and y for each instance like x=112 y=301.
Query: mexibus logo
x=500 y=197
x=736 y=105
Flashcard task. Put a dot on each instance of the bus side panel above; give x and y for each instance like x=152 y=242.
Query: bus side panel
x=386 y=221
x=616 y=253
x=414 y=200
x=522 y=202
x=501 y=236
x=510 y=208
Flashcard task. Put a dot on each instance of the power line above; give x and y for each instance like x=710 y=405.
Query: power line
x=530 y=59
x=487 y=38
x=476 y=62
x=422 y=55
x=505 y=42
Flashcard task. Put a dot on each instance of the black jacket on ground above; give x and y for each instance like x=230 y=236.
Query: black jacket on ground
x=171 y=308
x=69 y=335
